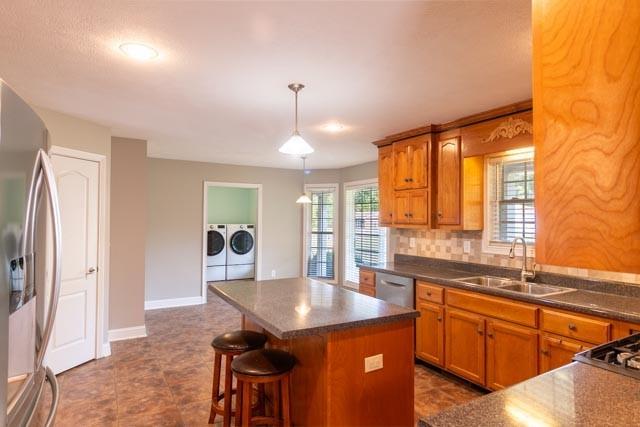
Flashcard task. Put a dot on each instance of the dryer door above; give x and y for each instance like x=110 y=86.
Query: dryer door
x=241 y=242
x=215 y=243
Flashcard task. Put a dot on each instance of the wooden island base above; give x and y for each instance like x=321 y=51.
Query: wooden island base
x=329 y=386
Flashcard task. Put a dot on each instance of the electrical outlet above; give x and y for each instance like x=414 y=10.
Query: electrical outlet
x=412 y=242
x=273 y=274
x=373 y=363
x=466 y=246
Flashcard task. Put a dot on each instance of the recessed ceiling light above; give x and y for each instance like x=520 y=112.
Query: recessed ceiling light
x=333 y=127
x=138 y=51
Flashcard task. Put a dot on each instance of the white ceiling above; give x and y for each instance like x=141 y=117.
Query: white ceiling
x=218 y=92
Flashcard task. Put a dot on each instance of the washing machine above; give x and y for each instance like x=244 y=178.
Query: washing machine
x=216 y=252
x=241 y=256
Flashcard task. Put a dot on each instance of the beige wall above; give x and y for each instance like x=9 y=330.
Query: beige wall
x=78 y=134
x=128 y=232
x=174 y=219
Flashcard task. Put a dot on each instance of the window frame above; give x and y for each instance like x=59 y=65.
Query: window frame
x=308 y=188
x=502 y=248
x=349 y=186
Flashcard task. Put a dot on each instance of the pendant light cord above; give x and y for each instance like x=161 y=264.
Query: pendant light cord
x=296 y=109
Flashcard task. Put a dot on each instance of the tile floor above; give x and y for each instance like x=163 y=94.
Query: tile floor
x=165 y=379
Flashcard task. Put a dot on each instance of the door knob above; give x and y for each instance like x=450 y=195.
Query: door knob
x=91 y=270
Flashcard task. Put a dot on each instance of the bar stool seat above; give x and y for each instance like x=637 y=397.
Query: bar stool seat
x=261 y=367
x=229 y=345
x=239 y=341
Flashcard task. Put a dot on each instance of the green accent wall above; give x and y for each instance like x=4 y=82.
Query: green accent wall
x=231 y=205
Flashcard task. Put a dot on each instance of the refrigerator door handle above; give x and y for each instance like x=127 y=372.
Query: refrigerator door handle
x=55 y=397
x=52 y=196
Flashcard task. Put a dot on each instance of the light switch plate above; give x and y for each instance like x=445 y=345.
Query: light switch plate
x=373 y=363
x=466 y=246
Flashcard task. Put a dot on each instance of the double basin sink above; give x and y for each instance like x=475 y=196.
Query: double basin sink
x=537 y=290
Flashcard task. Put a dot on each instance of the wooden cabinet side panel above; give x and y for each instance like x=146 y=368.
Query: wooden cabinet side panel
x=385 y=184
x=378 y=398
x=586 y=63
x=472 y=193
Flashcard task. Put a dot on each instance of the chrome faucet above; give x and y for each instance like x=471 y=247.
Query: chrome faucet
x=525 y=273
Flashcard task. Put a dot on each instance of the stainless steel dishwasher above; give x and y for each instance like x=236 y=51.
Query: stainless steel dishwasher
x=395 y=289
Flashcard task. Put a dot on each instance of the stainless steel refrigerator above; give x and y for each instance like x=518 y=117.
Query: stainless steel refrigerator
x=30 y=251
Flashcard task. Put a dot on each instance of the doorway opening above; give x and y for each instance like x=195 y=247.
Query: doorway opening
x=231 y=232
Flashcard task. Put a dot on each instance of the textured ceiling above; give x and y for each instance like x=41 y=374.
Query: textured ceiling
x=218 y=92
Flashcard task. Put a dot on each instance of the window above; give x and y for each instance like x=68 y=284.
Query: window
x=320 y=232
x=364 y=241
x=510 y=211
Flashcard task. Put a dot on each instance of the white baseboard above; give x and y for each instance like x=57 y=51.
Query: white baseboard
x=173 y=302
x=127 y=333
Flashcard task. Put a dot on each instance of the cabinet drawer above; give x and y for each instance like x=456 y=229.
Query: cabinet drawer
x=498 y=308
x=368 y=278
x=428 y=292
x=578 y=327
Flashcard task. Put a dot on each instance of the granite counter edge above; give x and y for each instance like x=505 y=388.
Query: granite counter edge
x=610 y=314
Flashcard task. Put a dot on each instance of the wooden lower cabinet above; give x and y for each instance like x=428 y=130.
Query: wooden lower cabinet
x=465 y=349
x=430 y=333
x=512 y=354
x=557 y=351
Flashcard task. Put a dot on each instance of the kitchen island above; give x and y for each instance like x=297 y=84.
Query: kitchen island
x=331 y=330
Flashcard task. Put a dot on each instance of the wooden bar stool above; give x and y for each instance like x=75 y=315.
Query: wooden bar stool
x=267 y=366
x=229 y=345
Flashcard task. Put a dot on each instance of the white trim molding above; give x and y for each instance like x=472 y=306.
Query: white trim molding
x=173 y=302
x=127 y=333
x=102 y=294
x=205 y=202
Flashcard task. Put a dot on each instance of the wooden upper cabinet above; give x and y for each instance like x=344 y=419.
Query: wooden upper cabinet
x=385 y=184
x=586 y=57
x=411 y=207
x=449 y=176
x=464 y=342
x=411 y=163
x=512 y=354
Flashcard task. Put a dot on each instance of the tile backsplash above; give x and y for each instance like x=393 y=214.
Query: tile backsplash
x=449 y=245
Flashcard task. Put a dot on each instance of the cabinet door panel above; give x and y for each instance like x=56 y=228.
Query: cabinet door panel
x=418 y=152
x=402 y=165
x=419 y=207
x=464 y=353
x=401 y=207
x=512 y=354
x=430 y=333
x=558 y=351
x=385 y=184
x=449 y=181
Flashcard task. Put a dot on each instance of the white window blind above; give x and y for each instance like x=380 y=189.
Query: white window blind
x=510 y=189
x=320 y=233
x=365 y=242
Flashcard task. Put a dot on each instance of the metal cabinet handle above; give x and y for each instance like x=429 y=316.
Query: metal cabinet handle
x=572 y=327
x=428 y=293
x=439 y=213
x=544 y=352
x=439 y=318
x=91 y=270
x=480 y=331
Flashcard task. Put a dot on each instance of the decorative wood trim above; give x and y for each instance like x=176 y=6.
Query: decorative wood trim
x=509 y=129
x=483 y=116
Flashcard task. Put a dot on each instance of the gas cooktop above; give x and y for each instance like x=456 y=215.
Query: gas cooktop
x=620 y=356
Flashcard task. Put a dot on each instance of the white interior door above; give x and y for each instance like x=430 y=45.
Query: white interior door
x=73 y=340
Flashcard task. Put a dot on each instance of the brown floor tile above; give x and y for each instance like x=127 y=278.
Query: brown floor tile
x=165 y=379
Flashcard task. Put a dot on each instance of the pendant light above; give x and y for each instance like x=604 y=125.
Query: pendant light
x=296 y=145
x=304 y=199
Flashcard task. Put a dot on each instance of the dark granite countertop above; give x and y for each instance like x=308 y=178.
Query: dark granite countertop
x=573 y=395
x=290 y=308
x=622 y=305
